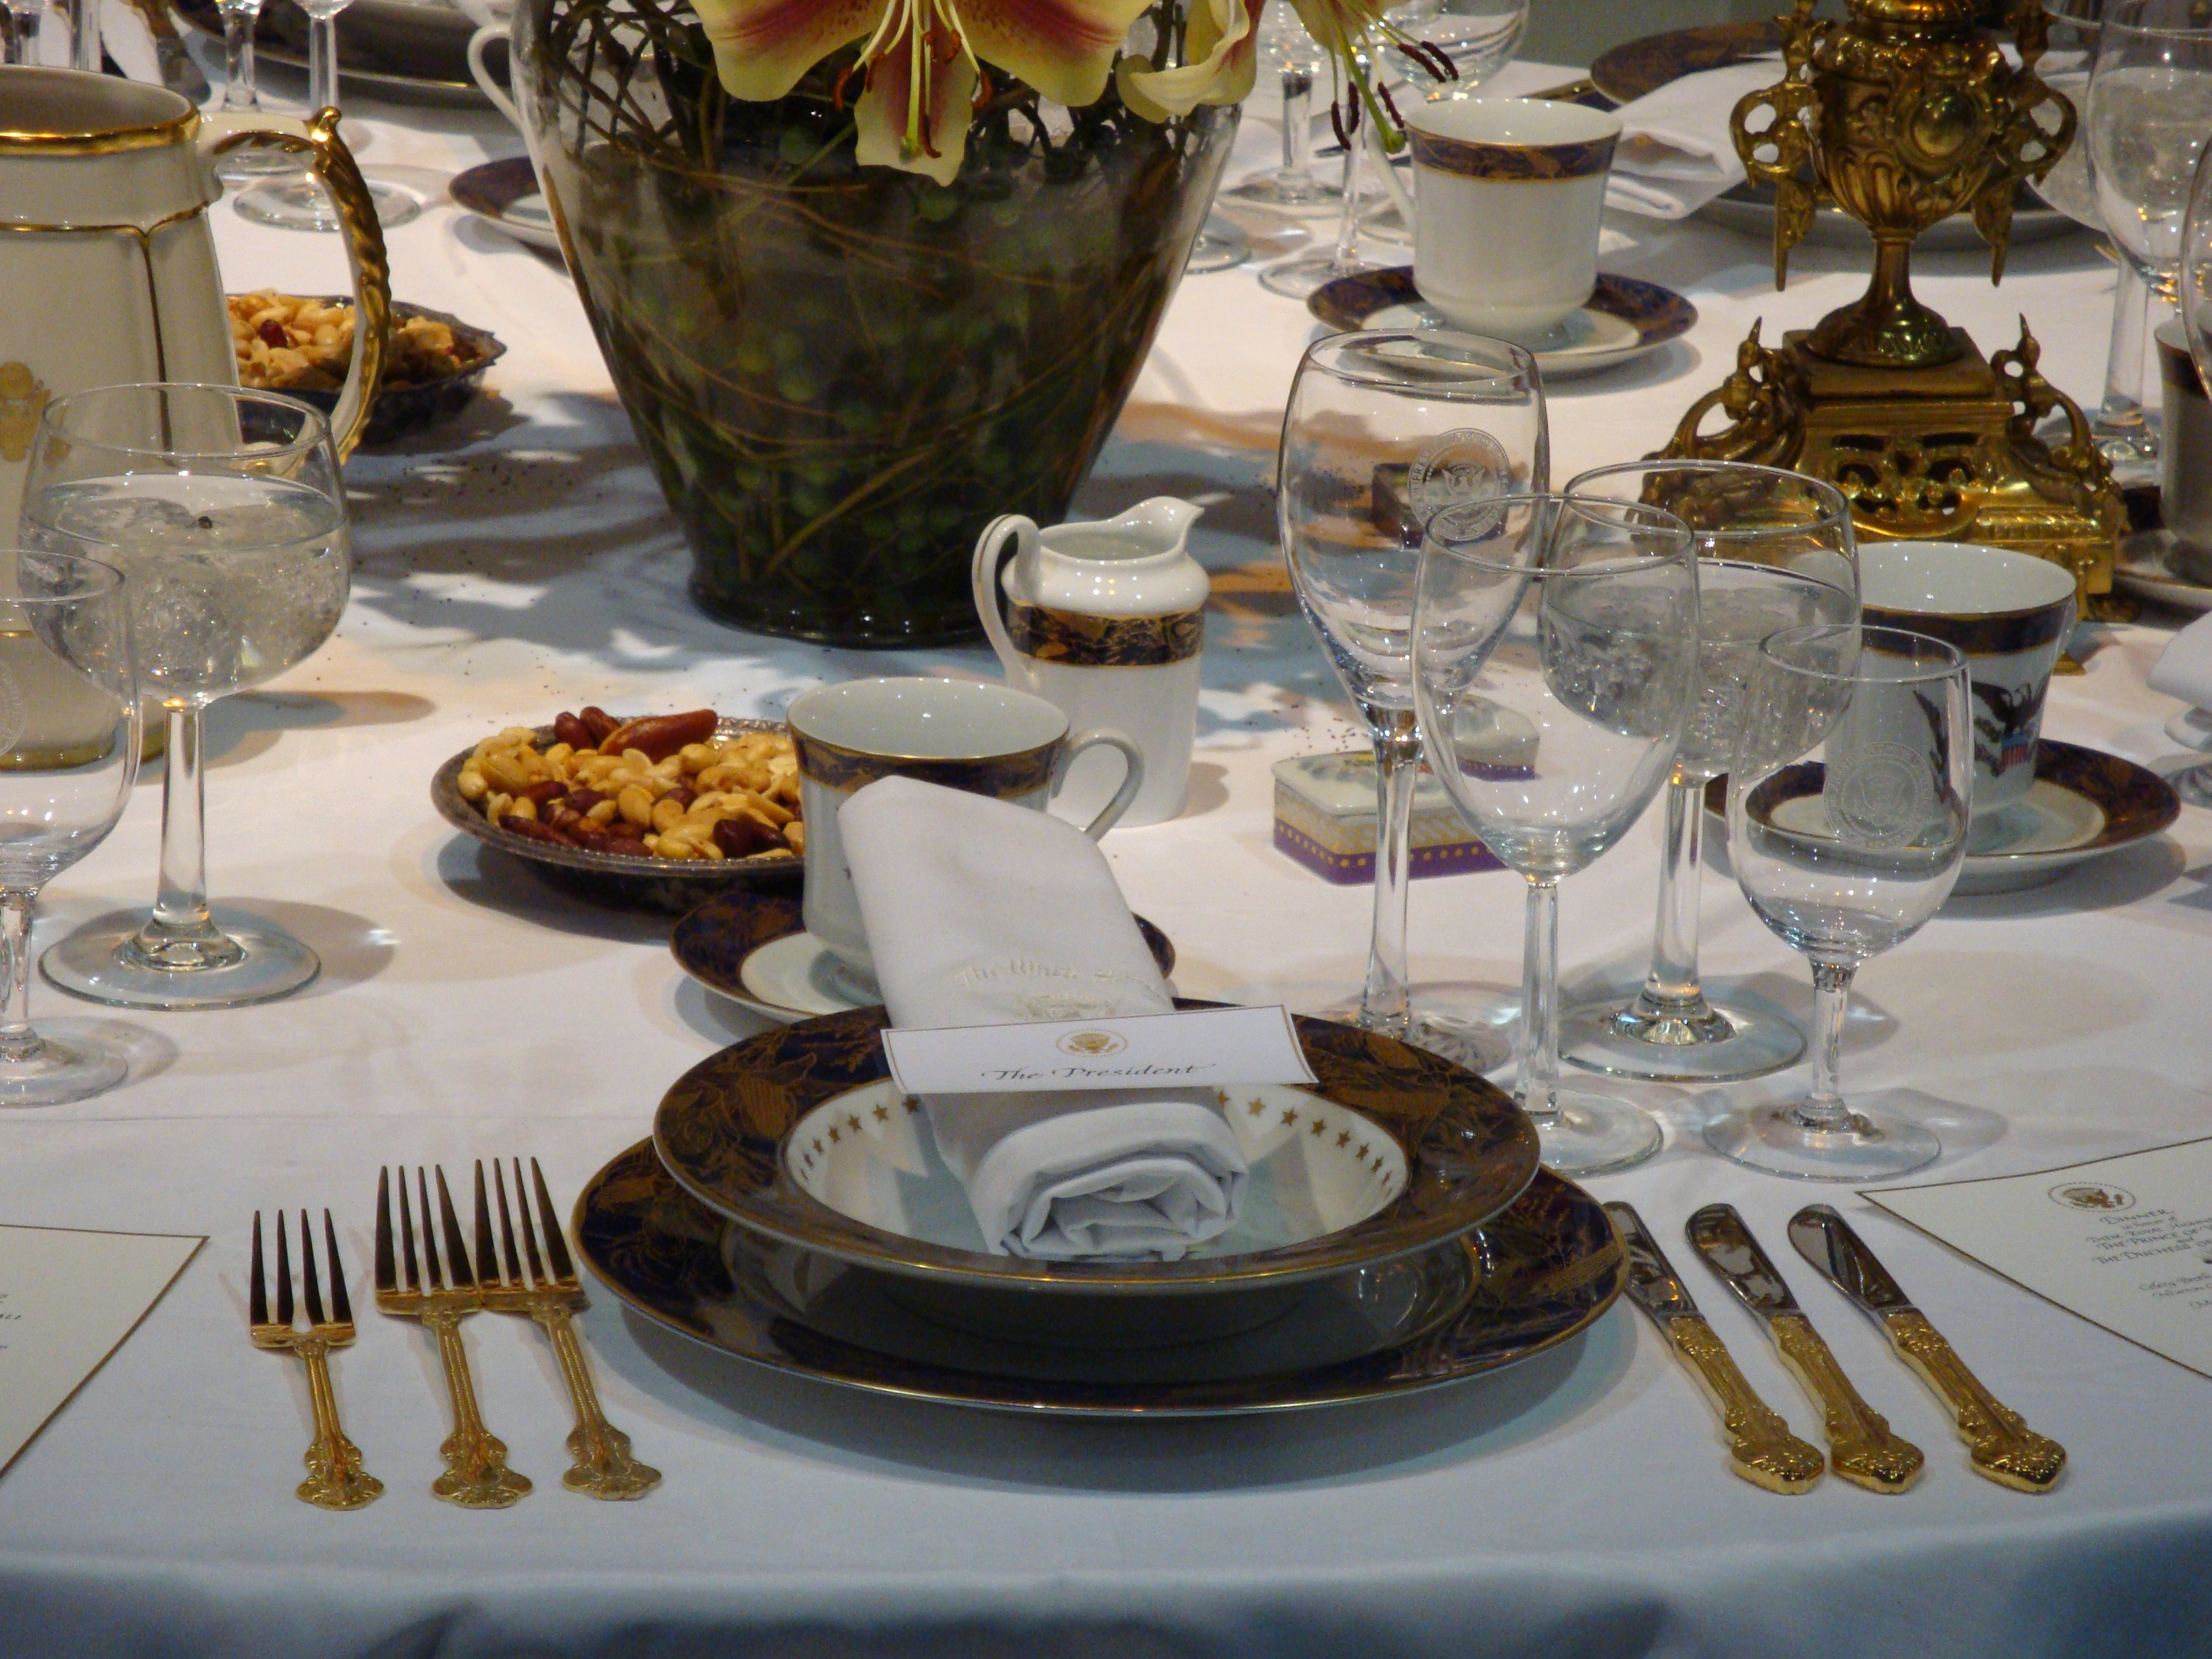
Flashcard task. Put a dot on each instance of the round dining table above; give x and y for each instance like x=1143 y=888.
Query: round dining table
x=520 y=560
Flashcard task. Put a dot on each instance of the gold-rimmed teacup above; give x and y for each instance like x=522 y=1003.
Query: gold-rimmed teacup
x=987 y=739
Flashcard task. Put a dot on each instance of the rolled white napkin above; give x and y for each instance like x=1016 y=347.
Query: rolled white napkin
x=979 y=912
x=2183 y=669
x=1676 y=154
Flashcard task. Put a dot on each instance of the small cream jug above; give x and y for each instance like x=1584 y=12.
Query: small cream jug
x=107 y=262
x=1104 y=620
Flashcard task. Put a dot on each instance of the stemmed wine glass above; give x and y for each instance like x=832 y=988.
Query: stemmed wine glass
x=1555 y=667
x=1848 y=802
x=2149 y=113
x=1775 y=550
x=69 y=754
x=1385 y=429
x=1286 y=47
x=241 y=94
x=224 y=510
x=1297 y=279
x=299 y=203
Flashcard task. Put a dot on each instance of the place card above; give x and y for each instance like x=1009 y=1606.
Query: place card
x=67 y=1299
x=1208 y=1047
x=2125 y=1242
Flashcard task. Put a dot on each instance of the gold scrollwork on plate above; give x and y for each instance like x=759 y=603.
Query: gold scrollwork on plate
x=23 y=395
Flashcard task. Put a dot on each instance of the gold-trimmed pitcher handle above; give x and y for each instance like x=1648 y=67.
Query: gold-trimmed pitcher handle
x=333 y=164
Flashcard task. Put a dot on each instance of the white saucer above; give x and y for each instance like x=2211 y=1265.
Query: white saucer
x=796 y=977
x=1626 y=318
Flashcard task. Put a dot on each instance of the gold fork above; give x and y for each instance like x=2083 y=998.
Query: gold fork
x=476 y=1476
x=604 y=1466
x=336 y=1479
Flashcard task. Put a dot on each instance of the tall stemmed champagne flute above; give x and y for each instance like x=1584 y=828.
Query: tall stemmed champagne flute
x=69 y=754
x=1848 y=803
x=225 y=511
x=1555 y=667
x=298 y=202
x=1775 y=550
x=1385 y=429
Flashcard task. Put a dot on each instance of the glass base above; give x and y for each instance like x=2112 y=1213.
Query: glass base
x=299 y=204
x=1589 y=1134
x=1293 y=194
x=1875 y=1144
x=1220 y=246
x=107 y=966
x=58 y=1069
x=2192 y=729
x=1721 y=1043
x=1387 y=224
x=1469 y=1043
x=249 y=167
x=1294 y=279
x=2194 y=786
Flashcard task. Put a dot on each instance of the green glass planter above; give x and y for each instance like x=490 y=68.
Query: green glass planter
x=840 y=373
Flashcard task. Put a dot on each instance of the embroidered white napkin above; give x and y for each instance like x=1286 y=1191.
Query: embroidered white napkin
x=1675 y=154
x=979 y=912
x=2183 y=669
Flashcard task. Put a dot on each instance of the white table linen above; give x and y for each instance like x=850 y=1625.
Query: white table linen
x=522 y=562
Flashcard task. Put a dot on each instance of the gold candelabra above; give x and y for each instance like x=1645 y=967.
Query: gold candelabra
x=1901 y=114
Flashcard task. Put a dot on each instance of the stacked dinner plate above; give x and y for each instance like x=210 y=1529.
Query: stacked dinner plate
x=791 y=1210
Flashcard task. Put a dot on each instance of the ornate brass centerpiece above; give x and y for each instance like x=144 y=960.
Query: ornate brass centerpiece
x=1902 y=115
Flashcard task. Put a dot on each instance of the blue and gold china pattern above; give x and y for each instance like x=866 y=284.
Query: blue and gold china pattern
x=1647 y=314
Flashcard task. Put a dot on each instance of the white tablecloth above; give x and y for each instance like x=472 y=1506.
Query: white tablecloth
x=523 y=561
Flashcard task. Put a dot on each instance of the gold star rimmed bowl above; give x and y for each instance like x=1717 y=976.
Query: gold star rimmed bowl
x=799 y=1136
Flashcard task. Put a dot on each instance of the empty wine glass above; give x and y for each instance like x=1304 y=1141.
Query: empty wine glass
x=1297 y=279
x=1285 y=47
x=298 y=202
x=2149 y=112
x=1555 y=668
x=241 y=94
x=224 y=509
x=1385 y=429
x=1848 y=803
x=69 y=754
x=1775 y=550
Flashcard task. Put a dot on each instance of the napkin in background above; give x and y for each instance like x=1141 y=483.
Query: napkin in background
x=979 y=912
x=1676 y=154
x=2183 y=669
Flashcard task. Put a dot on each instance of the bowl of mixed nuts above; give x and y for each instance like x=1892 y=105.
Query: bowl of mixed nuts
x=662 y=812
x=300 y=345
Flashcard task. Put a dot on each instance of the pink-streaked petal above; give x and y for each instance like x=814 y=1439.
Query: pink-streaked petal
x=762 y=47
x=1064 y=48
x=1218 y=38
x=885 y=107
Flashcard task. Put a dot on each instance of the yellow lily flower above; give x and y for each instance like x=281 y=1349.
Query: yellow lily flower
x=1220 y=43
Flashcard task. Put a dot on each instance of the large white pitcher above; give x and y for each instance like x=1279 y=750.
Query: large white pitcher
x=107 y=265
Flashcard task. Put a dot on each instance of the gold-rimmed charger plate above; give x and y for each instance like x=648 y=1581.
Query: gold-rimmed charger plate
x=1543 y=1270
x=1458 y=1151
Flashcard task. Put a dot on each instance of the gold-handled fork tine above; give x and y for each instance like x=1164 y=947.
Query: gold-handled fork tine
x=477 y=1475
x=336 y=1479
x=387 y=1273
x=604 y=1466
x=340 y=1302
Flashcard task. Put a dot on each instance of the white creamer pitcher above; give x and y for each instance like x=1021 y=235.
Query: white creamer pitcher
x=1105 y=619
x=108 y=268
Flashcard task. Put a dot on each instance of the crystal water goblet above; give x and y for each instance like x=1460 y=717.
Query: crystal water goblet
x=224 y=509
x=1383 y=428
x=1291 y=188
x=69 y=754
x=1848 y=803
x=1555 y=670
x=298 y=202
x=1775 y=550
x=241 y=95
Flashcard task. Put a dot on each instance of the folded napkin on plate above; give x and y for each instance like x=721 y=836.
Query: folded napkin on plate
x=1676 y=154
x=2183 y=669
x=981 y=913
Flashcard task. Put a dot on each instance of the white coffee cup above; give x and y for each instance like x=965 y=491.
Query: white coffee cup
x=494 y=20
x=2008 y=614
x=1509 y=197
x=989 y=739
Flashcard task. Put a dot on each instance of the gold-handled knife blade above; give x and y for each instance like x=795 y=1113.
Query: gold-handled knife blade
x=1862 y=1448
x=2000 y=1444
x=1762 y=1449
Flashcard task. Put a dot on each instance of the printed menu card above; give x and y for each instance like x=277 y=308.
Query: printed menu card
x=2125 y=1242
x=67 y=1301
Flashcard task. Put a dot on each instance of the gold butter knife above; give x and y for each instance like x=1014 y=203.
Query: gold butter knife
x=2001 y=1446
x=1761 y=1448
x=1862 y=1448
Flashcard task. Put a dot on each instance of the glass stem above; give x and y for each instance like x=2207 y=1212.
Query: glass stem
x=2122 y=414
x=1297 y=125
x=1540 y=1002
x=83 y=19
x=1385 y=1005
x=322 y=62
x=1346 y=258
x=180 y=933
x=18 y=1041
x=1672 y=987
x=1824 y=1109
x=238 y=92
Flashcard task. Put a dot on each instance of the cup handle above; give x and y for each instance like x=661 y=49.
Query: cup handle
x=332 y=164
x=479 y=43
x=1389 y=174
x=1132 y=776
x=990 y=549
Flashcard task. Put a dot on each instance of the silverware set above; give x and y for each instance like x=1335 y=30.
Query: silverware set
x=426 y=1270
x=1863 y=1449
